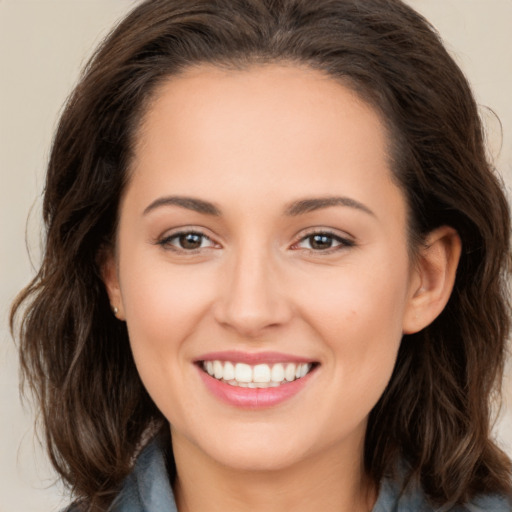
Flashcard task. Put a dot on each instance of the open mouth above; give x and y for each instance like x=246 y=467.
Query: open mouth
x=256 y=376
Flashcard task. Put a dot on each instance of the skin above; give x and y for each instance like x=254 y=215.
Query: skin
x=253 y=142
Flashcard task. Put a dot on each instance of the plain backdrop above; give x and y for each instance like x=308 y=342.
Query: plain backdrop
x=43 y=44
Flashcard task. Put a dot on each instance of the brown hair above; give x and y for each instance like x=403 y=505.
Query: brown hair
x=435 y=413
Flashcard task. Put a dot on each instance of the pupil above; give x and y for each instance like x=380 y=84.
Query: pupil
x=321 y=242
x=190 y=241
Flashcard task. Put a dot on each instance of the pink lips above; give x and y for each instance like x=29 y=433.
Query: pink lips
x=253 y=398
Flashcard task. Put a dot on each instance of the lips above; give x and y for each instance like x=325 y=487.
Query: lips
x=254 y=380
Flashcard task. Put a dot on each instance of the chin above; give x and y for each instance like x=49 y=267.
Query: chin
x=247 y=449
x=257 y=459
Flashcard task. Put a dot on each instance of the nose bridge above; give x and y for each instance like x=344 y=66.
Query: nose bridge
x=252 y=298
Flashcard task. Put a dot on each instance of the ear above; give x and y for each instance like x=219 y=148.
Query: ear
x=433 y=279
x=110 y=276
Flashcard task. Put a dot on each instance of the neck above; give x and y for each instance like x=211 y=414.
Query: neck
x=329 y=482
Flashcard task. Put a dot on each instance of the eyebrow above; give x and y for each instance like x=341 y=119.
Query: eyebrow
x=190 y=203
x=317 y=203
x=294 y=209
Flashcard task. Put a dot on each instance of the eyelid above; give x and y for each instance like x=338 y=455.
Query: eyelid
x=164 y=240
x=345 y=240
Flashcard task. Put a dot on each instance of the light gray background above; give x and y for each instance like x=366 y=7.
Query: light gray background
x=43 y=44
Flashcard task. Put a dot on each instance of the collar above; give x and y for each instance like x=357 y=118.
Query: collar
x=147 y=489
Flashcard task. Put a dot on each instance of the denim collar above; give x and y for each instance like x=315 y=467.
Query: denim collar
x=147 y=489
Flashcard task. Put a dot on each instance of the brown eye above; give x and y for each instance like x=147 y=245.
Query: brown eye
x=320 y=242
x=186 y=241
x=190 y=241
x=324 y=242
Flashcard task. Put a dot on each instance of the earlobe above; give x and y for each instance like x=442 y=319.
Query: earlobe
x=109 y=274
x=435 y=272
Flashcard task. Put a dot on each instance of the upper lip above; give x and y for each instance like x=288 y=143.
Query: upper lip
x=253 y=358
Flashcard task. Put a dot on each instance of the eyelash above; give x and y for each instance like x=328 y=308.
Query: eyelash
x=166 y=241
x=342 y=243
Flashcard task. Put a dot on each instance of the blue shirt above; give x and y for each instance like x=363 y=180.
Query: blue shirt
x=147 y=489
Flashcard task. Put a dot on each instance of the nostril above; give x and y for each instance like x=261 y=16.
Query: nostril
x=250 y=317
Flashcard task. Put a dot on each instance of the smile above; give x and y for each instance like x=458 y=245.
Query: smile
x=256 y=376
x=255 y=381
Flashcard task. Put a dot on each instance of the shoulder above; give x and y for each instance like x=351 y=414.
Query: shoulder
x=492 y=503
x=147 y=487
x=392 y=498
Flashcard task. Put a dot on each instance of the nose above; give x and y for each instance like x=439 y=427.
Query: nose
x=253 y=297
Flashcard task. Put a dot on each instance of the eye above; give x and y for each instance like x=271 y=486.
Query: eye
x=323 y=242
x=187 y=241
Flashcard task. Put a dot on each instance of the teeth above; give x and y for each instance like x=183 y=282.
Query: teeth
x=289 y=373
x=218 y=370
x=243 y=373
x=261 y=373
x=258 y=376
x=277 y=373
x=229 y=371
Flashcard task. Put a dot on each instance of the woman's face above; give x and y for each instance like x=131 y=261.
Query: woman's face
x=262 y=237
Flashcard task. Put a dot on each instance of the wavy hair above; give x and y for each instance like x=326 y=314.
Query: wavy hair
x=435 y=414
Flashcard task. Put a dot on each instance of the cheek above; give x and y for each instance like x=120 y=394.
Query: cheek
x=162 y=301
x=357 y=300
x=163 y=306
x=360 y=321
x=163 y=310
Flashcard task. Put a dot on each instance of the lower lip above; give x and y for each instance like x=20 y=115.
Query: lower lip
x=253 y=398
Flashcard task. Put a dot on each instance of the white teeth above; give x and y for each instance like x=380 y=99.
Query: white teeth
x=258 y=376
x=277 y=374
x=243 y=372
x=229 y=371
x=289 y=372
x=218 y=370
x=261 y=373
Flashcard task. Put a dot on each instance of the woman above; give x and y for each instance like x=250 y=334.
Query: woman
x=275 y=269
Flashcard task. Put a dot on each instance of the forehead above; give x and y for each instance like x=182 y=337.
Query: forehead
x=297 y=112
x=260 y=137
